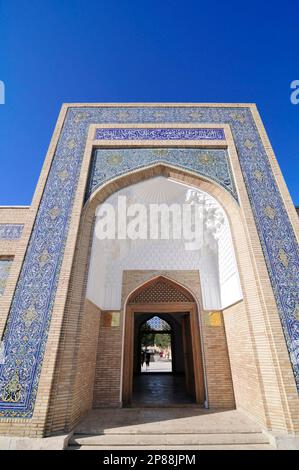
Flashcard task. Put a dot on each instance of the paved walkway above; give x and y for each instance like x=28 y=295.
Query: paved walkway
x=157 y=366
x=160 y=390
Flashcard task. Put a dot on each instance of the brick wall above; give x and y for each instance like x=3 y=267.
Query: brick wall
x=108 y=366
x=216 y=361
x=261 y=372
x=11 y=215
x=253 y=371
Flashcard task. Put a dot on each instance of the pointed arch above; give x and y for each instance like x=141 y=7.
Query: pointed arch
x=155 y=324
x=163 y=295
x=160 y=289
x=103 y=191
x=77 y=292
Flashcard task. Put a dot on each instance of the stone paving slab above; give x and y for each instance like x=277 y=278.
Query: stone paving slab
x=165 y=421
x=169 y=439
x=203 y=447
x=34 y=443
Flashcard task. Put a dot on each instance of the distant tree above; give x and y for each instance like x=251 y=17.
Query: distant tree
x=147 y=337
x=150 y=338
x=163 y=341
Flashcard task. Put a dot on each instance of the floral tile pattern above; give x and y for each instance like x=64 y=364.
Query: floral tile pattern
x=11 y=231
x=159 y=134
x=109 y=163
x=5 y=265
x=30 y=315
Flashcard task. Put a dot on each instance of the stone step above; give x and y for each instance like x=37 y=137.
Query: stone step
x=167 y=429
x=168 y=439
x=178 y=447
x=165 y=421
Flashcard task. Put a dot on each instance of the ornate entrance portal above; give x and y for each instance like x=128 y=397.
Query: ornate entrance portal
x=72 y=302
x=132 y=279
x=161 y=296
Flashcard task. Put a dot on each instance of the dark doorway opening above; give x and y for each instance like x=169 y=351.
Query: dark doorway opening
x=161 y=356
x=155 y=346
x=167 y=303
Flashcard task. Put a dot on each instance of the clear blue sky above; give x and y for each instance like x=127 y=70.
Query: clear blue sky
x=55 y=51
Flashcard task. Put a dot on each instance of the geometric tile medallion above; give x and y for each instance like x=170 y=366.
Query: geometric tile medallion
x=30 y=315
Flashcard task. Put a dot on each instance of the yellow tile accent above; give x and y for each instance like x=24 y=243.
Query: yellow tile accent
x=213 y=318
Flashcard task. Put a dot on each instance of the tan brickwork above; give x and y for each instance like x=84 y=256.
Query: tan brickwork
x=11 y=215
x=217 y=368
x=108 y=368
x=217 y=364
x=262 y=376
x=253 y=398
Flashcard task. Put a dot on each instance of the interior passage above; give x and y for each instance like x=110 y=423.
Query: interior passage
x=160 y=357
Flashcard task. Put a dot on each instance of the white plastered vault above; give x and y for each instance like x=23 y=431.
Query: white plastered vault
x=214 y=258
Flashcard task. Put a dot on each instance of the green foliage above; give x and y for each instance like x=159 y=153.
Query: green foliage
x=147 y=339
x=163 y=341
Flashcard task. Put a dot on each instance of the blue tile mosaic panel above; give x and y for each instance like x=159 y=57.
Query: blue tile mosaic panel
x=109 y=163
x=5 y=265
x=159 y=134
x=11 y=231
x=30 y=315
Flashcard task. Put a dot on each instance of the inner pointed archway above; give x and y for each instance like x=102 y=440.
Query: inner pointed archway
x=117 y=266
x=208 y=247
x=162 y=307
